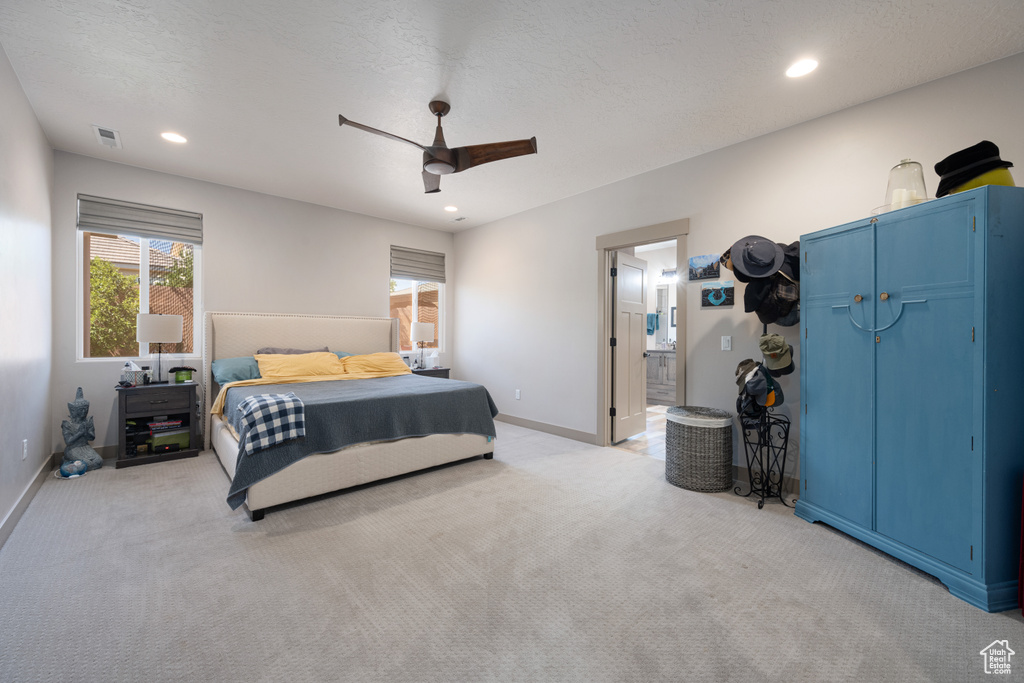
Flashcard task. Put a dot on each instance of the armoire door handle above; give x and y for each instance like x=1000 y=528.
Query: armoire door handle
x=858 y=298
x=883 y=296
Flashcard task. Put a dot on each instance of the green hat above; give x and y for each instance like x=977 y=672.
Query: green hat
x=778 y=356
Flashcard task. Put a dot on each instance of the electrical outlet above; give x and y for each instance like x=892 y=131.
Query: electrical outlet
x=727 y=343
x=24 y=448
x=517 y=394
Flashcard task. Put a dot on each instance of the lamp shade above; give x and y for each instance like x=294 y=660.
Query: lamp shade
x=422 y=332
x=158 y=329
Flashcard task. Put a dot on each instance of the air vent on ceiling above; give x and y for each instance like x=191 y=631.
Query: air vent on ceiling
x=108 y=137
x=460 y=218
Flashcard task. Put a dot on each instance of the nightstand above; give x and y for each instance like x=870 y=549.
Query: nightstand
x=156 y=422
x=433 y=372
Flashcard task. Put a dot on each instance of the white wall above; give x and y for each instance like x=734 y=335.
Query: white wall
x=260 y=253
x=26 y=186
x=526 y=309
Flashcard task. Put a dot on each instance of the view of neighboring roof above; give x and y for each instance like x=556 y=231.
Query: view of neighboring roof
x=125 y=252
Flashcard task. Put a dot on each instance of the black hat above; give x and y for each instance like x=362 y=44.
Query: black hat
x=756 y=256
x=959 y=167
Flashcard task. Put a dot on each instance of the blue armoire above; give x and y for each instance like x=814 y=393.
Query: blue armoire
x=912 y=380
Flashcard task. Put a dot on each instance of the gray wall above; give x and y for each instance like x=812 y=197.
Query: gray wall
x=526 y=307
x=26 y=186
x=260 y=253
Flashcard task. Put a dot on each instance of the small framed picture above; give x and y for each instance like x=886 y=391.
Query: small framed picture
x=717 y=294
x=704 y=267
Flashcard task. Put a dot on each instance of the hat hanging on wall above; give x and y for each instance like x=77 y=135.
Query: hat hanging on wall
x=742 y=370
x=726 y=258
x=756 y=257
x=778 y=356
x=972 y=167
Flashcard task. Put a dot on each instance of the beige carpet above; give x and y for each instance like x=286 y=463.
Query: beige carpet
x=556 y=561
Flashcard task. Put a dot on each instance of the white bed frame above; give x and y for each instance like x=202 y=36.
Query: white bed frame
x=228 y=335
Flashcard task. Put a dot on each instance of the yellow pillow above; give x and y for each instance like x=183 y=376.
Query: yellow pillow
x=384 y=362
x=299 y=365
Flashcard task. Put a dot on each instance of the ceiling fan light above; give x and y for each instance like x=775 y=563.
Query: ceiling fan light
x=802 y=68
x=174 y=137
x=438 y=167
x=451 y=209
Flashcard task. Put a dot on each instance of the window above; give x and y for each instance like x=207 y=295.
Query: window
x=143 y=266
x=417 y=293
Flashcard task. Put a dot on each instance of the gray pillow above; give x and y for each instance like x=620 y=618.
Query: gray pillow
x=235 y=369
x=290 y=352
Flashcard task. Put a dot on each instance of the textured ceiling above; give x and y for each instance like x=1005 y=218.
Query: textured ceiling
x=611 y=88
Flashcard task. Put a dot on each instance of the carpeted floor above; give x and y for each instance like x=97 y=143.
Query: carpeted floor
x=556 y=561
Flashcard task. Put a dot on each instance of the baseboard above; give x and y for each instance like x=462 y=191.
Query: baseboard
x=573 y=434
x=108 y=453
x=11 y=520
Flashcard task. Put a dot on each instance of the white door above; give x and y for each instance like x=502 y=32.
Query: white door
x=629 y=376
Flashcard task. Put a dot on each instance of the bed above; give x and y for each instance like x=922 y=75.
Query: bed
x=231 y=335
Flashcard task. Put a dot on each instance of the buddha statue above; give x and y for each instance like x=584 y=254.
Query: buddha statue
x=78 y=431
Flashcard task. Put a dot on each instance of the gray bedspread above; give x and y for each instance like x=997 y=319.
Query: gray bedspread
x=347 y=412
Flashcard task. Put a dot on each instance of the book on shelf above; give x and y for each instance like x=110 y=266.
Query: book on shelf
x=163 y=425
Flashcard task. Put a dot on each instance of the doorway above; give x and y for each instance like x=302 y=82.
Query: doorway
x=659 y=357
x=661 y=362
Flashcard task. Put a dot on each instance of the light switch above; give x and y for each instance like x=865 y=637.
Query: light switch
x=727 y=343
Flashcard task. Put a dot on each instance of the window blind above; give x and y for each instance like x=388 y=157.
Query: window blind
x=113 y=216
x=414 y=264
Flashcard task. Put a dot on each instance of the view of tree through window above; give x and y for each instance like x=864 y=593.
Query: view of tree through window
x=413 y=301
x=113 y=295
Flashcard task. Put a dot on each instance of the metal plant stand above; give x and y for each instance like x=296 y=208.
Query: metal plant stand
x=765 y=441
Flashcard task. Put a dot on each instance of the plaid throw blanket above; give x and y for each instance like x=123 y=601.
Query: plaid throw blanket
x=269 y=419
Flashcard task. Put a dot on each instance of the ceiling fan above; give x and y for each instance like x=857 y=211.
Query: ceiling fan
x=439 y=159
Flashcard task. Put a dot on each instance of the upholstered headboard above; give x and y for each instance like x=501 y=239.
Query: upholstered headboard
x=228 y=335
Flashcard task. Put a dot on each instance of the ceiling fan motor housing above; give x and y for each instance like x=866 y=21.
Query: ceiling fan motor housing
x=439 y=161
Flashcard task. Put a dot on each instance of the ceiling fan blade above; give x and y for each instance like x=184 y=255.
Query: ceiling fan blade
x=431 y=183
x=474 y=155
x=342 y=121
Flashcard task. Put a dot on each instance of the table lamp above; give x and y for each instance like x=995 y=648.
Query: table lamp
x=422 y=332
x=159 y=329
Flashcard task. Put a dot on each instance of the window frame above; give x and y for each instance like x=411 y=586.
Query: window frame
x=81 y=324
x=441 y=314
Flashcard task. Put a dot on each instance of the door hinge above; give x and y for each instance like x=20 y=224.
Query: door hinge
x=805 y=485
x=805 y=333
x=972 y=553
x=972 y=443
x=805 y=257
x=972 y=334
x=611 y=412
x=615 y=272
x=974 y=223
x=805 y=409
x=611 y=342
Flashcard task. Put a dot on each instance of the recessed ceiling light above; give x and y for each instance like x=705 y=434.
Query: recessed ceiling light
x=174 y=137
x=451 y=209
x=802 y=68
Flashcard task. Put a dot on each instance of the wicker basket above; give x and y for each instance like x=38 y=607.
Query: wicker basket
x=698 y=448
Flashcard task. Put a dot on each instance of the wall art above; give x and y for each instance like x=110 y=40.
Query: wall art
x=717 y=294
x=705 y=267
